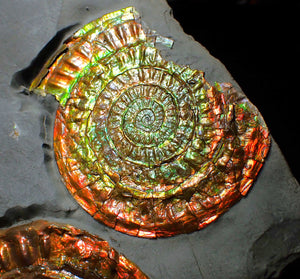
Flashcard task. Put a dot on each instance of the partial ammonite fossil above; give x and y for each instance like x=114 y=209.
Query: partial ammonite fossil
x=49 y=250
x=146 y=146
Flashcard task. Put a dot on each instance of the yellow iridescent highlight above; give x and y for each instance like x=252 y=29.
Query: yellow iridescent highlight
x=49 y=250
x=146 y=146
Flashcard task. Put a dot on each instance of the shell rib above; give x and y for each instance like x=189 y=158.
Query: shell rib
x=146 y=146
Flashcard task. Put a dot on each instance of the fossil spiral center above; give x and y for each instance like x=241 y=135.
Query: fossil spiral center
x=145 y=119
x=148 y=120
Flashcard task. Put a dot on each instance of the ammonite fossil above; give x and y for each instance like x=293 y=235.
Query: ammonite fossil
x=146 y=146
x=49 y=250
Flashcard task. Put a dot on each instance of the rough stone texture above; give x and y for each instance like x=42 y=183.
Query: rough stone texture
x=255 y=239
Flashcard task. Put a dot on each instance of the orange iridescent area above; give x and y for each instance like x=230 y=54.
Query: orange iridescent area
x=146 y=146
x=49 y=250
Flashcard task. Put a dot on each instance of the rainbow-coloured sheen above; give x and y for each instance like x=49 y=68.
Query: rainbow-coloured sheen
x=146 y=146
x=49 y=250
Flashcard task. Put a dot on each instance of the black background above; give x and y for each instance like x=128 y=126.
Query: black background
x=258 y=42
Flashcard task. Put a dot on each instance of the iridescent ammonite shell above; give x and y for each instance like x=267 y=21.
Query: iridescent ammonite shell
x=49 y=250
x=145 y=146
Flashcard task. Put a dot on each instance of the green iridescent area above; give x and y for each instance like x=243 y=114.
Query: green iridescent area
x=144 y=145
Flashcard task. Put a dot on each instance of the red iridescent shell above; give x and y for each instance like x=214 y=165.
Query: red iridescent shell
x=146 y=146
x=49 y=250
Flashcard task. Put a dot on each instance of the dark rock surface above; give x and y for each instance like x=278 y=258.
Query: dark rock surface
x=255 y=239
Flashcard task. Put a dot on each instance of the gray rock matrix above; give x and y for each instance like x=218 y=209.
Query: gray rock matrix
x=255 y=239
